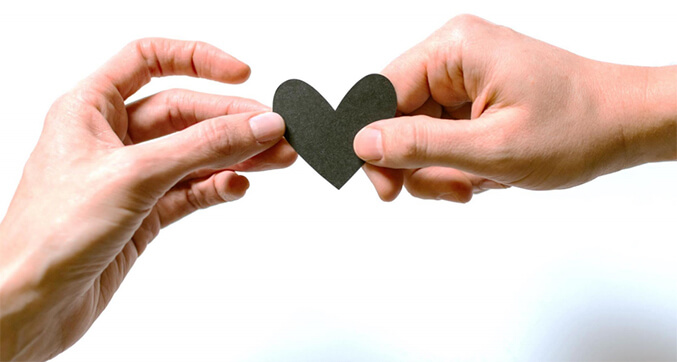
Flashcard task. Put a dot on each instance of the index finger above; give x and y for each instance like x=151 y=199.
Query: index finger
x=143 y=59
x=444 y=67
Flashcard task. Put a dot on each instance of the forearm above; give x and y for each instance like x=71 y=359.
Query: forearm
x=641 y=104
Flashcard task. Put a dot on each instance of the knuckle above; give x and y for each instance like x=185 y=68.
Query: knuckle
x=202 y=195
x=86 y=91
x=142 y=44
x=148 y=231
x=231 y=105
x=196 y=46
x=451 y=190
x=174 y=100
x=140 y=47
x=220 y=139
x=219 y=194
x=176 y=94
x=60 y=106
x=96 y=92
x=416 y=189
x=192 y=48
x=464 y=26
x=411 y=142
x=176 y=97
x=420 y=188
x=78 y=105
x=418 y=193
x=146 y=49
x=136 y=43
x=465 y=21
x=194 y=198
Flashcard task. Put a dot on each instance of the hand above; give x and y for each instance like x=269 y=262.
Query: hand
x=485 y=107
x=99 y=186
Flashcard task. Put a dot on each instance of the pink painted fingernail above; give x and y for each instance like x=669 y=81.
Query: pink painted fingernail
x=267 y=126
x=369 y=144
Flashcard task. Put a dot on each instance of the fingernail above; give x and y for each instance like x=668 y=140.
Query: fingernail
x=448 y=197
x=369 y=144
x=454 y=197
x=491 y=185
x=267 y=126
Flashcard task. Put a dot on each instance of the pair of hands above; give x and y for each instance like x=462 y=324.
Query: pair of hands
x=481 y=107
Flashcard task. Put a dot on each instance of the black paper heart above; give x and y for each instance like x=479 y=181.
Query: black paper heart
x=324 y=137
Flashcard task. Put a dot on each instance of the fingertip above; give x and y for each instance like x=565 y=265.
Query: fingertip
x=231 y=69
x=389 y=195
x=387 y=182
x=289 y=155
x=267 y=127
x=440 y=183
x=237 y=72
x=239 y=182
x=408 y=74
x=242 y=74
x=232 y=186
x=368 y=144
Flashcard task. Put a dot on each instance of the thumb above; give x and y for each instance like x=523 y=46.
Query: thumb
x=214 y=143
x=421 y=141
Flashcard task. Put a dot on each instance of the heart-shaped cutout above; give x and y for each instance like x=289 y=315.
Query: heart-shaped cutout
x=322 y=136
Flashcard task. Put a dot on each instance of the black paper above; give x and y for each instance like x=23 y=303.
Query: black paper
x=324 y=137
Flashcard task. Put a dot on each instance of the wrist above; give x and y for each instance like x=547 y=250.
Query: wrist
x=24 y=308
x=662 y=106
x=639 y=105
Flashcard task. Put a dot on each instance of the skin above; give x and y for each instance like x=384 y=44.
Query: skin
x=484 y=107
x=481 y=107
x=95 y=191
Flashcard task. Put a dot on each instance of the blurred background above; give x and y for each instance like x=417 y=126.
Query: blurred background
x=298 y=271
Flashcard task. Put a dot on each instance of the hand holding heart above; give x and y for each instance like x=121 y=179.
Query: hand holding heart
x=324 y=137
x=95 y=191
x=485 y=107
x=481 y=107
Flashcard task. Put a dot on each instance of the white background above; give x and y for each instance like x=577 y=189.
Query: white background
x=297 y=271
